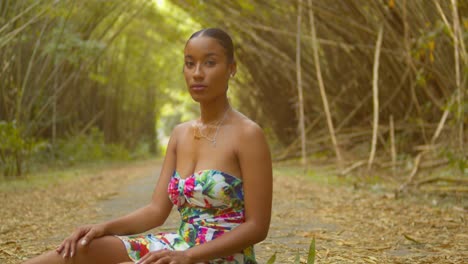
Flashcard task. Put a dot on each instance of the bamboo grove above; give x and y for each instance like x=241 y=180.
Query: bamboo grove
x=382 y=82
x=419 y=74
x=72 y=67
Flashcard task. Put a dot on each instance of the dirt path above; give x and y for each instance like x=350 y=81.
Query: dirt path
x=350 y=226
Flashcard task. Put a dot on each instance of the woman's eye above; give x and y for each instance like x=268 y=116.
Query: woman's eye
x=189 y=64
x=210 y=63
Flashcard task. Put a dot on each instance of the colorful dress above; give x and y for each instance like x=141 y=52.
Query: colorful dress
x=210 y=203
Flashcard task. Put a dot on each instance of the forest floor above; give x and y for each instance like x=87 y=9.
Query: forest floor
x=351 y=223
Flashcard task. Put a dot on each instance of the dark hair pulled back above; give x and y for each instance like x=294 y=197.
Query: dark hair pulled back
x=221 y=36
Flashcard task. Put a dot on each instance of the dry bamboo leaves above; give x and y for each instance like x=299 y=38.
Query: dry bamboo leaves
x=357 y=226
x=38 y=219
x=349 y=225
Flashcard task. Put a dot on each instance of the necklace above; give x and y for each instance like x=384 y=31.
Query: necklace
x=199 y=126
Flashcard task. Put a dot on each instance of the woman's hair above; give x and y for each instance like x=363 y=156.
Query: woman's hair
x=221 y=36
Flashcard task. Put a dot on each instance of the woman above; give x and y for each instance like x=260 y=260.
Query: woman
x=217 y=171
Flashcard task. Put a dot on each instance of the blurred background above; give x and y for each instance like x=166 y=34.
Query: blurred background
x=361 y=85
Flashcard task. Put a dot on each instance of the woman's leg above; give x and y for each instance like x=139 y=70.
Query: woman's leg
x=108 y=249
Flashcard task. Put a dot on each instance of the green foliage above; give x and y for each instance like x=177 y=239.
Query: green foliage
x=75 y=64
x=457 y=161
x=15 y=149
x=86 y=148
x=64 y=44
x=272 y=259
x=311 y=256
x=19 y=154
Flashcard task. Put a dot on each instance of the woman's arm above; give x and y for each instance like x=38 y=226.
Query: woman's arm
x=139 y=221
x=155 y=213
x=255 y=163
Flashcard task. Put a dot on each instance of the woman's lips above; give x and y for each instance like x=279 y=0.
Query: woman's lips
x=197 y=87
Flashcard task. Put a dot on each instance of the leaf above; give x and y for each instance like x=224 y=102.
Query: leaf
x=272 y=259
x=412 y=239
x=298 y=259
x=311 y=257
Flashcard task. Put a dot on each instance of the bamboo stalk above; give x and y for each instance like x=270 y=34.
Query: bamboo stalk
x=392 y=143
x=417 y=160
x=353 y=167
x=375 y=90
x=11 y=21
x=323 y=94
x=456 y=33
x=323 y=41
x=442 y=122
x=299 y=85
x=451 y=31
x=19 y=99
x=460 y=181
x=8 y=37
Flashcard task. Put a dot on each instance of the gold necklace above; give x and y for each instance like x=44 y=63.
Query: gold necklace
x=199 y=126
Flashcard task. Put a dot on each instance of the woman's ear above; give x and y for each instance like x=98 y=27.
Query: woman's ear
x=233 y=69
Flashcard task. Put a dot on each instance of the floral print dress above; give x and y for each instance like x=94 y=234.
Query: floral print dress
x=210 y=203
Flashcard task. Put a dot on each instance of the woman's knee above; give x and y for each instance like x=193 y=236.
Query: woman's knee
x=107 y=248
x=101 y=250
x=51 y=257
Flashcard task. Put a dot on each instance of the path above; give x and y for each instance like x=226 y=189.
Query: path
x=133 y=196
x=350 y=225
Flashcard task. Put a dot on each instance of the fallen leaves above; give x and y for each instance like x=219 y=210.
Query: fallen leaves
x=349 y=226
x=35 y=220
x=360 y=226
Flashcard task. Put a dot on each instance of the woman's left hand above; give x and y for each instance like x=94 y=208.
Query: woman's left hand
x=165 y=257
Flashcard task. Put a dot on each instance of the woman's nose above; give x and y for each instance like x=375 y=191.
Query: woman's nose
x=198 y=71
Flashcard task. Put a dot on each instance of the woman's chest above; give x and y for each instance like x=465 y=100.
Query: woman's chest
x=194 y=154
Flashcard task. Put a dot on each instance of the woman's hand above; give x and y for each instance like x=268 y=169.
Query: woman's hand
x=83 y=233
x=166 y=257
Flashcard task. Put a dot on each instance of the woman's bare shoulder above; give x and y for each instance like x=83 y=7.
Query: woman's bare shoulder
x=246 y=128
x=182 y=128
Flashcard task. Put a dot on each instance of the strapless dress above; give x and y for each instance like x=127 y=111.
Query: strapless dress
x=210 y=203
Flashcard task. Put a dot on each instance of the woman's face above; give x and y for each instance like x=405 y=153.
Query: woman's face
x=206 y=69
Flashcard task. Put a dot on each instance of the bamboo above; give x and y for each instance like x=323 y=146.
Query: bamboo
x=375 y=90
x=441 y=124
x=54 y=112
x=11 y=21
x=24 y=85
x=417 y=160
x=56 y=75
x=461 y=181
x=5 y=40
x=392 y=144
x=322 y=87
x=460 y=90
x=353 y=167
x=299 y=85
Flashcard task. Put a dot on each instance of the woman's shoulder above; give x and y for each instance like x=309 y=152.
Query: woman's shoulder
x=246 y=128
x=250 y=140
x=182 y=128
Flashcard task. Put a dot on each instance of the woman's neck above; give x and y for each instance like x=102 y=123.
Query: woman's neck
x=213 y=111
